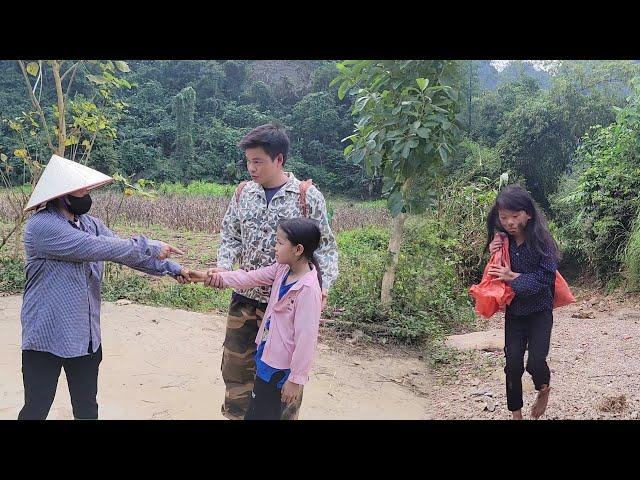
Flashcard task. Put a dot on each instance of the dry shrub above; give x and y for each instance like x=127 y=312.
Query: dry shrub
x=201 y=213
x=613 y=404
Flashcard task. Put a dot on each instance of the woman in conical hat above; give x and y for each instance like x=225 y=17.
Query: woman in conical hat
x=65 y=250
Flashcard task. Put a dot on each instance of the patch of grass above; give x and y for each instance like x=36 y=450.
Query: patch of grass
x=441 y=356
x=195 y=297
x=428 y=298
x=166 y=293
x=355 y=294
x=26 y=188
x=341 y=201
x=120 y=284
x=613 y=284
x=12 y=278
x=196 y=188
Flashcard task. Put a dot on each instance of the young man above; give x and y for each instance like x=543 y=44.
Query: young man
x=65 y=249
x=248 y=237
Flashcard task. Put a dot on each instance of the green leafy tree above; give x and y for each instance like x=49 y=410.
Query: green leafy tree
x=537 y=146
x=184 y=108
x=491 y=108
x=73 y=103
x=406 y=129
x=598 y=204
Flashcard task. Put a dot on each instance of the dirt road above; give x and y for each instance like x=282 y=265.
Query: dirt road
x=594 y=360
x=161 y=363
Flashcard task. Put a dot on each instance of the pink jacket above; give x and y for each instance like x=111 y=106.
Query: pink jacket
x=295 y=318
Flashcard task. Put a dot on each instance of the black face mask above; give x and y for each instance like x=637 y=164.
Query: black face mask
x=78 y=205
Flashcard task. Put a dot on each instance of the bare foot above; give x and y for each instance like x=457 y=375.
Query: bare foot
x=516 y=415
x=540 y=405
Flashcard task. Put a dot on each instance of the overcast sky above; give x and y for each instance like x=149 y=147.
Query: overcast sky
x=537 y=64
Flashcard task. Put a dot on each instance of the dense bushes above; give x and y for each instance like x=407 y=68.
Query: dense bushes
x=597 y=205
x=436 y=266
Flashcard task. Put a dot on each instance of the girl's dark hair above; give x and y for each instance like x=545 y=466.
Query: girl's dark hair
x=538 y=237
x=305 y=232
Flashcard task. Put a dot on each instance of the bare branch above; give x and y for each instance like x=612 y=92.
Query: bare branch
x=35 y=86
x=36 y=104
x=87 y=152
x=5 y=238
x=41 y=83
x=72 y=67
x=62 y=134
x=73 y=77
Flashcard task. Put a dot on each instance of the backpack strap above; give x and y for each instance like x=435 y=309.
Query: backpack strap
x=239 y=188
x=304 y=186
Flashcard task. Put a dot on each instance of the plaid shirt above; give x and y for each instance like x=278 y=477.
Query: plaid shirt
x=536 y=284
x=64 y=266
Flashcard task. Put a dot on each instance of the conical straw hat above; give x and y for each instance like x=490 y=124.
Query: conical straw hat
x=62 y=176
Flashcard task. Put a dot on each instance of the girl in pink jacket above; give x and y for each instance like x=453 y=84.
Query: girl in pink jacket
x=289 y=332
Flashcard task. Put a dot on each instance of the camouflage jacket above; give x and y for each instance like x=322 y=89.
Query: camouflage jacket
x=248 y=233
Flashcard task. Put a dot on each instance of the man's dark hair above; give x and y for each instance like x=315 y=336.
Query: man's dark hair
x=271 y=137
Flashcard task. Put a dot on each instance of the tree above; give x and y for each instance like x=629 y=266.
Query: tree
x=315 y=116
x=598 y=203
x=536 y=145
x=491 y=108
x=82 y=109
x=406 y=129
x=543 y=129
x=589 y=91
x=184 y=108
x=236 y=73
x=286 y=91
x=260 y=94
x=470 y=89
x=517 y=70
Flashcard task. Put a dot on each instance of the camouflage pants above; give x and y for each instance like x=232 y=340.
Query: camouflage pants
x=238 y=361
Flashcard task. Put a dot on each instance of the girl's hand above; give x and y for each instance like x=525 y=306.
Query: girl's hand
x=495 y=245
x=198 y=276
x=290 y=392
x=503 y=273
x=214 y=280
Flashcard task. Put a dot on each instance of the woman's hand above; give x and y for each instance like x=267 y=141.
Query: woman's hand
x=166 y=250
x=496 y=244
x=503 y=273
x=290 y=392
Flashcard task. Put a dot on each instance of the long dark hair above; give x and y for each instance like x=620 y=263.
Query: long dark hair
x=305 y=232
x=538 y=237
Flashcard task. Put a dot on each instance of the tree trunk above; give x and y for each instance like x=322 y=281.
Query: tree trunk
x=394 y=250
x=62 y=133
